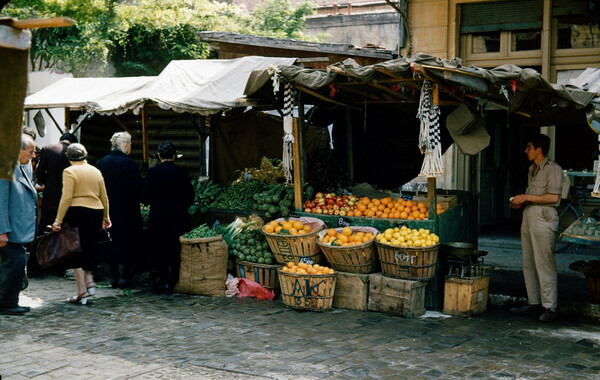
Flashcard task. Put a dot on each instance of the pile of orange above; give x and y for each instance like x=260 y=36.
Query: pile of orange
x=304 y=268
x=291 y=227
x=392 y=209
x=346 y=237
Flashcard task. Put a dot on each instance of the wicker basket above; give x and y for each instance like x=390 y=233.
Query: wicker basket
x=307 y=291
x=264 y=274
x=409 y=263
x=288 y=248
x=360 y=258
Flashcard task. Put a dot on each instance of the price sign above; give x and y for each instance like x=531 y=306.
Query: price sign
x=294 y=215
x=407 y=197
x=306 y=260
x=344 y=222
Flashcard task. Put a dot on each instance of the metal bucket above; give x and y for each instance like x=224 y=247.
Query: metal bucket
x=460 y=250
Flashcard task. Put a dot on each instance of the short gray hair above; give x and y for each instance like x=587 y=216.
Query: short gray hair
x=117 y=140
x=26 y=141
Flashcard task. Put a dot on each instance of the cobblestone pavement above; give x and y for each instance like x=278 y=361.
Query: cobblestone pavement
x=148 y=336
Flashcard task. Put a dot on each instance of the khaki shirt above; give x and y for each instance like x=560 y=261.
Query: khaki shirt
x=547 y=180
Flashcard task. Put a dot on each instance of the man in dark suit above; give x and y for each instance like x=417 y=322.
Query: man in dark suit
x=124 y=187
x=18 y=208
x=169 y=192
x=48 y=173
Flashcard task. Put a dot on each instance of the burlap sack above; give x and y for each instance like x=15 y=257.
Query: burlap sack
x=203 y=267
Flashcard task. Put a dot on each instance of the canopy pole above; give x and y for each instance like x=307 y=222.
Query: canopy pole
x=297 y=165
x=68 y=119
x=145 y=152
x=431 y=181
x=54 y=120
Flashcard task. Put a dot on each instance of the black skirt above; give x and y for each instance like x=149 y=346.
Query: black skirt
x=89 y=222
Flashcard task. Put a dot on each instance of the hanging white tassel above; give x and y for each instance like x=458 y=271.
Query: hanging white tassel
x=429 y=137
x=288 y=137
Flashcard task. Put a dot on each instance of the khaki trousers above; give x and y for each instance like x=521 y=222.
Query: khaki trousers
x=538 y=239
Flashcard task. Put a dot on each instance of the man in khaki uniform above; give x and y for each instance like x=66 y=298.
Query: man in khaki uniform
x=538 y=230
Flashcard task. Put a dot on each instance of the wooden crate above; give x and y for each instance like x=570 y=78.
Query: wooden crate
x=351 y=291
x=264 y=274
x=446 y=201
x=307 y=291
x=396 y=296
x=465 y=296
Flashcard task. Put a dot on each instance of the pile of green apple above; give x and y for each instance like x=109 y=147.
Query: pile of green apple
x=331 y=204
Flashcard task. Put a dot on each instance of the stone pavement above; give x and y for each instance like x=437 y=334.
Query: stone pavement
x=148 y=336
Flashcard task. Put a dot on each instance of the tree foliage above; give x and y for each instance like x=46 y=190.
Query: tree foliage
x=140 y=37
x=280 y=19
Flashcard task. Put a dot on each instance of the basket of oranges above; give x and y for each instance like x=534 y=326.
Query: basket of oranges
x=350 y=249
x=407 y=253
x=294 y=239
x=307 y=286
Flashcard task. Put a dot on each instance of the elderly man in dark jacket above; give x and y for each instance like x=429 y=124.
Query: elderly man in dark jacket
x=124 y=186
x=168 y=190
x=18 y=208
x=49 y=173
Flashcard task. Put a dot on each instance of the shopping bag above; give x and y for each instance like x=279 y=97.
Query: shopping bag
x=55 y=247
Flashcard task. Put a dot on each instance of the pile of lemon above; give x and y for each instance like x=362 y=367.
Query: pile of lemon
x=346 y=237
x=304 y=268
x=407 y=237
x=289 y=227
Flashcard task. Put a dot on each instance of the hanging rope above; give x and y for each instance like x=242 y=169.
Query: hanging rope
x=288 y=137
x=429 y=137
x=596 y=192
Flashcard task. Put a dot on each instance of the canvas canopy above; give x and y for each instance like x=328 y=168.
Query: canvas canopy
x=509 y=86
x=195 y=86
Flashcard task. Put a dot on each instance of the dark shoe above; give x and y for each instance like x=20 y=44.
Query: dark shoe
x=548 y=316
x=114 y=283
x=17 y=310
x=527 y=310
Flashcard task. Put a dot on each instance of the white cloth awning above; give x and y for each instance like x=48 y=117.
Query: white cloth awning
x=76 y=92
x=203 y=86
x=195 y=86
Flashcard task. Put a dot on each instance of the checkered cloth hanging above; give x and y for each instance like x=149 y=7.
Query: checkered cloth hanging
x=429 y=137
x=288 y=137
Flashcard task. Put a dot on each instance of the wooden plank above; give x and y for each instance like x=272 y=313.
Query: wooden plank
x=52 y=22
x=351 y=291
x=145 y=142
x=396 y=296
x=296 y=163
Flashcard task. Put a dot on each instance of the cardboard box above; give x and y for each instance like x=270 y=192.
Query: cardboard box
x=351 y=291
x=466 y=296
x=396 y=296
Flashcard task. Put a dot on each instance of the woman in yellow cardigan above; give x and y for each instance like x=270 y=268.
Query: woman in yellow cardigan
x=83 y=204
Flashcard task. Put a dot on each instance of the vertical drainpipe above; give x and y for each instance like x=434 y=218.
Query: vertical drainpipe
x=402 y=40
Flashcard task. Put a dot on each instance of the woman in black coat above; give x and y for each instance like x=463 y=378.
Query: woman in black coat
x=169 y=192
x=124 y=187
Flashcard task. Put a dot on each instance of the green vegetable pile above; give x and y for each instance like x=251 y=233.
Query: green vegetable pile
x=238 y=196
x=275 y=200
x=202 y=231
x=251 y=246
x=206 y=193
x=145 y=211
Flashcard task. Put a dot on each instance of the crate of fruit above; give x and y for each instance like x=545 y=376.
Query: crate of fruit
x=306 y=286
x=264 y=274
x=350 y=249
x=294 y=239
x=408 y=253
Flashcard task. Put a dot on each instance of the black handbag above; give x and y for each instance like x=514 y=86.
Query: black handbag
x=55 y=247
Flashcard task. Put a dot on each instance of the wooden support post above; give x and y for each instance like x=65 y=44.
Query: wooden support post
x=68 y=120
x=431 y=181
x=145 y=145
x=299 y=136
x=297 y=160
